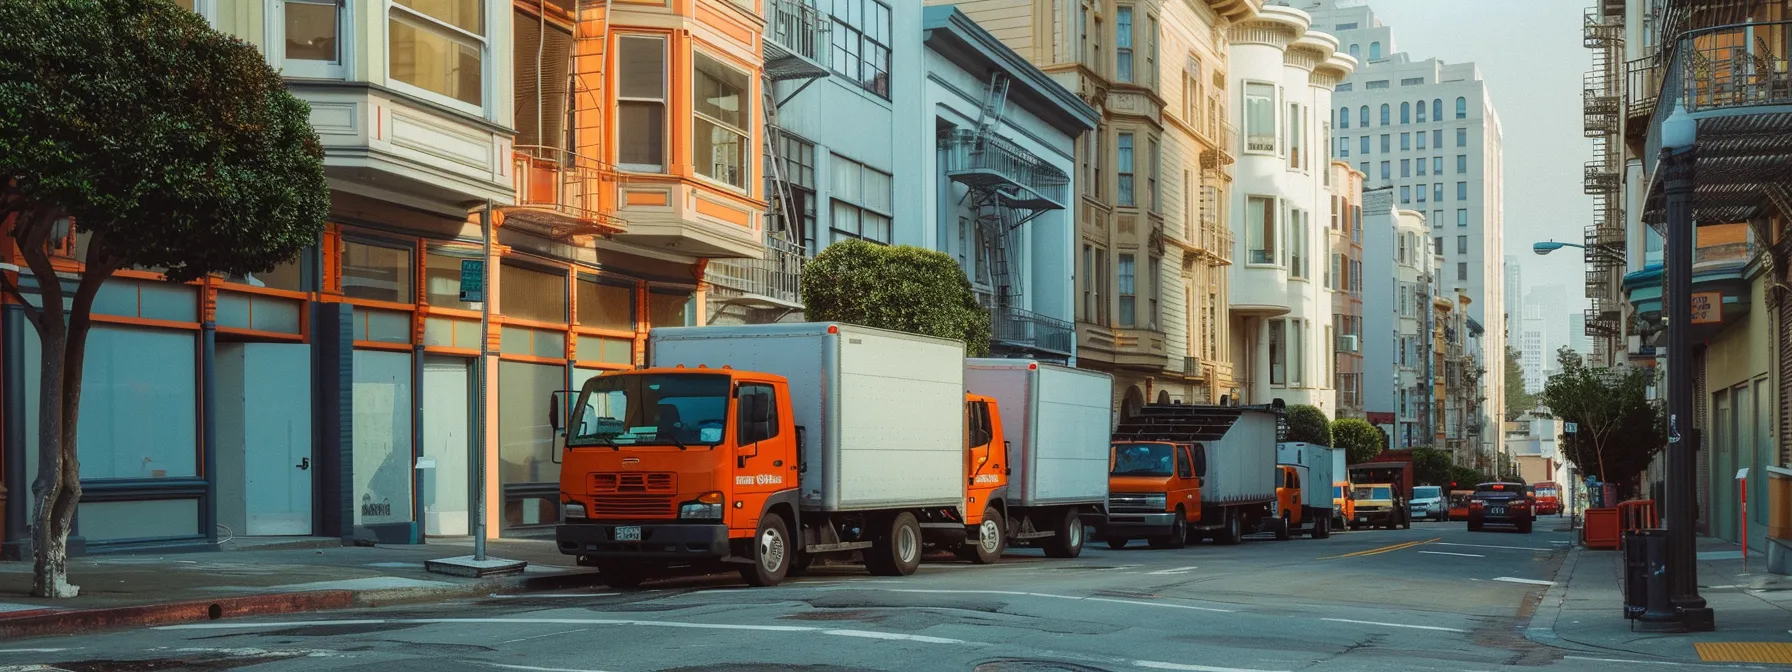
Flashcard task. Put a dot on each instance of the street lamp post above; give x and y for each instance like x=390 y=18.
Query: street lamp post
x=1679 y=158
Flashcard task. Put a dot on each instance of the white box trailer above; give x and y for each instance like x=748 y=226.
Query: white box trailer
x=1057 y=421
x=1315 y=464
x=881 y=412
x=1241 y=466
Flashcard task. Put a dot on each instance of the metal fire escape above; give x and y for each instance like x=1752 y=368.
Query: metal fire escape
x=1007 y=186
x=795 y=47
x=1603 y=110
x=564 y=187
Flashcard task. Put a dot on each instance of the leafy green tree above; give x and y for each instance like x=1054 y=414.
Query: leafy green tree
x=902 y=288
x=1309 y=424
x=1431 y=466
x=1359 y=439
x=1618 y=429
x=172 y=146
x=1517 y=399
x=1466 y=478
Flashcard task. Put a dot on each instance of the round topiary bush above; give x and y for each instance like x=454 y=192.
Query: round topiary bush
x=901 y=288
x=1359 y=439
x=1309 y=424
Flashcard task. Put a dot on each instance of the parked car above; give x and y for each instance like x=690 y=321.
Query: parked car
x=1427 y=503
x=1500 y=504
x=1459 y=504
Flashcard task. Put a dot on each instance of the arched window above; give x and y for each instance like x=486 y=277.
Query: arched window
x=1385 y=119
x=1355 y=50
x=1362 y=117
x=1421 y=107
x=1406 y=113
x=1374 y=51
x=1437 y=109
x=1461 y=107
x=1343 y=117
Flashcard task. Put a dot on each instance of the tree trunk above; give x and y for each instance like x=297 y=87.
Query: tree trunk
x=54 y=513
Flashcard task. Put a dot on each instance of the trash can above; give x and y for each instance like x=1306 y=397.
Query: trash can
x=1636 y=574
x=1646 y=577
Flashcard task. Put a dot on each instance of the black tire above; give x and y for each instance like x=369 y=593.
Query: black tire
x=770 y=550
x=983 y=549
x=1474 y=524
x=1233 y=531
x=1067 y=540
x=1525 y=527
x=1284 y=527
x=621 y=575
x=896 y=552
x=1117 y=543
x=1405 y=522
x=1322 y=528
x=1178 y=536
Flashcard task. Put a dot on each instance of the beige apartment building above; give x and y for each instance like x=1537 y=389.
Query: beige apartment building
x=1153 y=181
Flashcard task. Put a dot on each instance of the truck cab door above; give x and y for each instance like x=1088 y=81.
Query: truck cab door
x=984 y=468
x=763 y=463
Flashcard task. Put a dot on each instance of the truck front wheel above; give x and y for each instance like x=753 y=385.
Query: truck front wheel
x=1178 y=536
x=771 y=553
x=1067 y=540
x=992 y=537
x=896 y=552
x=1284 y=527
x=1117 y=543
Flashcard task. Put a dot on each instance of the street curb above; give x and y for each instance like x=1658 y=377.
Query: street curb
x=1540 y=630
x=48 y=623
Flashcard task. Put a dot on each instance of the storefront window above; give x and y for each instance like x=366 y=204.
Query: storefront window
x=382 y=428
x=526 y=440
x=376 y=272
x=139 y=404
x=667 y=310
x=606 y=306
x=442 y=282
x=532 y=295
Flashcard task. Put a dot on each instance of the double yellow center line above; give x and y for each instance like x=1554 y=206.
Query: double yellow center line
x=1383 y=549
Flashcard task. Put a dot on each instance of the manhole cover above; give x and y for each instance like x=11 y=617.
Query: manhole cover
x=1024 y=665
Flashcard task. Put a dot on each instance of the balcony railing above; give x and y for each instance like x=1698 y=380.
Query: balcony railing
x=1228 y=138
x=1737 y=65
x=1193 y=367
x=569 y=193
x=1643 y=88
x=796 y=40
x=1027 y=329
x=991 y=161
x=777 y=276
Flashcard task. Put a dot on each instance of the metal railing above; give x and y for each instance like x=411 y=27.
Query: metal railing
x=1735 y=65
x=1192 y=367
x=563 y=189
x=1014 y=326
x=797 y=29
x=1642 y=87
x=778 y=274
x=984 y=160
x=1228 y=138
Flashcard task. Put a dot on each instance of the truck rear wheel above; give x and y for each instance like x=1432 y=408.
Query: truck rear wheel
x=1067 y=540
x=1322 y=528
x=1284 y=527
x=771 y=553
x=992 y=537
x=896 y=552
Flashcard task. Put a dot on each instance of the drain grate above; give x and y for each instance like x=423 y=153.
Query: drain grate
x=1744 y=652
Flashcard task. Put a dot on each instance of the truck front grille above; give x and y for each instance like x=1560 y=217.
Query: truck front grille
x=632 y=506
x=1134 y=502
x=634 y=482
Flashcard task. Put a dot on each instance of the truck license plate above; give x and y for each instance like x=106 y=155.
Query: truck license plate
x=1497 y=510
x=628 y=533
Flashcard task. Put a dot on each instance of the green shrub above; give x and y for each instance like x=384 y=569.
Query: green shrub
x=901 y=288
x=1359 y=439
x=1309 y=424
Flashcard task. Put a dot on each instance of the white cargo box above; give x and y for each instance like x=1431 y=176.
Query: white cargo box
x=1057 y=422
x=882 y=411
x=1316 y=483
x=1241 y=466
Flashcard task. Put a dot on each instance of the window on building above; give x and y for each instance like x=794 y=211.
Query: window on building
x=378 y=271
x=1405 y=113
x=1386 y=173
x=1387 y=143
x=1125 y=169
x=1461 y=107
x=1356 y=51
x=1260 y=117
x=1297 y=135
x=1123 y=44
x=1297 y=243
x=1086 y=271
x=1421 y=139
x=313 y=47
x=861 y=42
x=1421 y=189
x=1374 y=51
x=1437 y=192
x=1297 y=352
x=1151 y=51
x=1405 y=168
x=1413 y=81
x=1343 y=117
x=1346 y=87
x=1331 y=272
x=1405 y=195
x=721 y=115
x=1420 y=107
x=1461 y=191
x=862 y=202
x=1462 y=244
x=1461 y=164
x=1461 y=137
x=1437 y=109
x=1364 y=145
x=605 y=305
x=1437 y=138
x=1343 y=151
x=1260 y=231
x=641 y=103
x=1462 y=270
x=1154 y=305
x=1437 y=245
x=1278 y=352
x=439 y=46
x=530 y=294
x=799 y=180
x=1437 y=219
x=1405 y=142
x=1362 y=116
x=1127 y=290
x=1437 y=165
x=1421 y=163
x=1386 y=114
x=1191 y=93
x=1364 y=167
x=1156 y=166
x=1461 y=218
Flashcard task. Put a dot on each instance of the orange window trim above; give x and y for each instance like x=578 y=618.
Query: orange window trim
x=255 y=333
x=446 y=350
x=264 y=291
x=434 y=311
x=382 y=345
x=607 y=366
x=145 y=322
x=606 y=333
x=532 y=359
x=532 y=324
x=379 y=305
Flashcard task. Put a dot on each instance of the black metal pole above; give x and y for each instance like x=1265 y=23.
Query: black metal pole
x=1683 y=571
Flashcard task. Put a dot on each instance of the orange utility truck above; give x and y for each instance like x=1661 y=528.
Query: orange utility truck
x=762 y=447
x=1054 y=422
x=1180 y=472
x=1305 y=498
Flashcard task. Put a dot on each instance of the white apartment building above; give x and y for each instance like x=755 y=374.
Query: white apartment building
x=1429 y=129
x=1533 y=346
x=1514 y=292
x=1380 y=321
x=1414 y=265
x=1280 y=308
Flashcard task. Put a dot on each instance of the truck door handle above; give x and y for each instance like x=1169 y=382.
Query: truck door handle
x=304 y=463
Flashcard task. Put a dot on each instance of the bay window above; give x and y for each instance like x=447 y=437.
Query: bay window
x=1126 y=169
x=1123 y=44
x=641 y=103
x=438 y=46
x=720 y=120
x=1278 y=352
x=1128 y=291
x=1260 y=229
x=1260 y=117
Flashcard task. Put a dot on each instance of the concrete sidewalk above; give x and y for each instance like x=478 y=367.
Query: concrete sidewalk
x=138 y=590
x=1584 y=611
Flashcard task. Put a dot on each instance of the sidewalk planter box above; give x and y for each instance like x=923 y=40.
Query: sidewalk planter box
x=1779 y=520
x=1601 y=529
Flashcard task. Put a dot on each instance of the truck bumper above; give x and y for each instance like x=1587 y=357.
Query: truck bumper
x=672 y=541
x=1138 y=524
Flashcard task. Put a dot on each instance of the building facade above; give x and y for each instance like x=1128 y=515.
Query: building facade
x=1381 y=317
x=1281 y=306
x=1344 y=277
x=1413 y=264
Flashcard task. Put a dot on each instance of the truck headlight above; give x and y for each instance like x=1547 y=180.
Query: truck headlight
x=1157 y=501
x=707 y=506
x=572 y=510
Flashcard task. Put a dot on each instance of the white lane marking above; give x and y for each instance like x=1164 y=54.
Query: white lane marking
x=1533 y=582
x=529 y=668
x=1116 y=569
x=1459 y=555
x=1509 y=548
x=897 y=636
x=1395 y=625
x=551 y=634
x=1178 y=570
x=1154 y=665
x=506 y=596
x=1016 y=593
x=2 y=651
x=276 y=624
x=1623 y=660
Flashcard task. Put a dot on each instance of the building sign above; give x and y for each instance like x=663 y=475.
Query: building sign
x=472 y=280
x=1708 y=308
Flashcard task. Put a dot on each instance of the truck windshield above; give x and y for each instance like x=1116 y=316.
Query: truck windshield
x=1376 y=492
x=1144 y=459
x=664 y=409
x=1426 y=492
x=1337 y=492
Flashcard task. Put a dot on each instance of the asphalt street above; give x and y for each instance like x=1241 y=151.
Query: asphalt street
x=1435 y=597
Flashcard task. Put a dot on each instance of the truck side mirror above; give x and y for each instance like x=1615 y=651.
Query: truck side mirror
x=555 y=401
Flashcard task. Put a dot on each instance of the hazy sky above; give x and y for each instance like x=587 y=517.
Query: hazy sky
x=1531 y=57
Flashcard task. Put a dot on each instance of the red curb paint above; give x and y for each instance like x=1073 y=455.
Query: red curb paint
x=46 y=623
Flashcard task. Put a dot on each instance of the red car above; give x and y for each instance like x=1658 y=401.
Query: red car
x=1548 y=497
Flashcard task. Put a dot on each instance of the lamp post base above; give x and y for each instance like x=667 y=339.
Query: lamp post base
x=1698 y=619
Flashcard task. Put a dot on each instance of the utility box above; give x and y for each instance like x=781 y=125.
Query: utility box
x=1779 y=520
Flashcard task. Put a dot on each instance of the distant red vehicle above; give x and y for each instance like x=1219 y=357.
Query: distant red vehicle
x=1548 y=497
